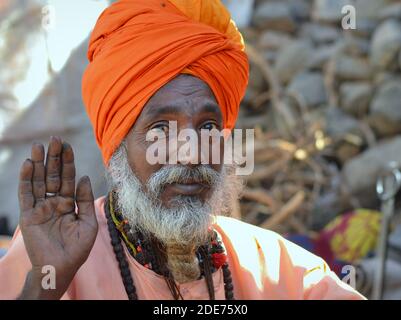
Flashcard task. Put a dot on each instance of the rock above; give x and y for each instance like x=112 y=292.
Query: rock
x=345 y=151
x=399 y=60
x=382 y=126
x=351 y=68
x=256 y=85
x=275 y=15
x=257 y=80
x=338 y=123
x=386 y=45
x=273 y=40
x=356 y=46
x=292 y=59
x=388 y=100
x=355 y=97
x=308 y=89
x=329 y=204
x=370 y=9
x=249 y=97
x=320 y=33
x=328 y=10
x=392 y=11
x=347 y=45
x=300 y=9
x=367 y=12
x=323 y=54
x=285 y=125
x=386 y=107
x=366 y=272
x=250 y=120
x=384 y=76
x=347 y=137
x=364 y=27
x=360 y=174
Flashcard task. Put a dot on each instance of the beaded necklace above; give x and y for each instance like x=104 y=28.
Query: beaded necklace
x=150 y=254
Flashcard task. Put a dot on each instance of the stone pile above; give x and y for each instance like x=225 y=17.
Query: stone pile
x=330 y=95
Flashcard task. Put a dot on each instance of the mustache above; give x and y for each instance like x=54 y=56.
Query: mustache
x=202 y=174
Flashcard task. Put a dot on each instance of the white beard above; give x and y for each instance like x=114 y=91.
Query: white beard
x=187 y=219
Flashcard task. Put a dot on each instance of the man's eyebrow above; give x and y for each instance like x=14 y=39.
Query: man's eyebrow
x=209 y=107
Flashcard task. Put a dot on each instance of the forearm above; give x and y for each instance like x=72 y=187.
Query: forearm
x=35 y=289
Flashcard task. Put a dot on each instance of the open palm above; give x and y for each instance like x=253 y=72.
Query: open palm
x=54 y=232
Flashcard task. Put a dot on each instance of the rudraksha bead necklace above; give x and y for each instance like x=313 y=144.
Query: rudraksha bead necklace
x=148 y=252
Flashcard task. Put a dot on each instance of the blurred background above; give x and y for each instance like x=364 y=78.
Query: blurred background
x=325 y=103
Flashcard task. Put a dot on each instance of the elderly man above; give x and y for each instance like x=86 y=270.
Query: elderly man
x=162 y=231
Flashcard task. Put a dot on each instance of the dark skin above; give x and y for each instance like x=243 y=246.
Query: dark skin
x=53 y=233
x=191 y=103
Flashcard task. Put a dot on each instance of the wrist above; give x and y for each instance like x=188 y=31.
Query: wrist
x=40 y=285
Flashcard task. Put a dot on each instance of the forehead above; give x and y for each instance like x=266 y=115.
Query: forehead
x=183 y=92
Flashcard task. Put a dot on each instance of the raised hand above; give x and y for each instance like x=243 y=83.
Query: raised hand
x=54 y=232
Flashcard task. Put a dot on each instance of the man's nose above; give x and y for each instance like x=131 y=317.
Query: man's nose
x=188 y=146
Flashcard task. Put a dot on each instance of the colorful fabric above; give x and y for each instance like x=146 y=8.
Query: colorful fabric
x=137 y=46
x=352 y=236
x=346 y=240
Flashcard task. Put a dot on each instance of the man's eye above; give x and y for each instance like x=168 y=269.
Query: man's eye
x=160 y=127
x=209 y=126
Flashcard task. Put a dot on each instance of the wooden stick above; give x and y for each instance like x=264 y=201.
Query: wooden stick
x=286 y=211
x=297 y=225
x=267 y=171
x=261 y=196
x=275 y=87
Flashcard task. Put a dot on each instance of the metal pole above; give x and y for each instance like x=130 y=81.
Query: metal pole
x=387 y=187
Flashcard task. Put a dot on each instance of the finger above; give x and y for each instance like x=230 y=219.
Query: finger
x=84 y=198
x=25 y=195
x=53 y=160
x=67 y=172
x=38 y=179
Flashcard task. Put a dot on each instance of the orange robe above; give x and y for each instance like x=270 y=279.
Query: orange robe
x=263 y=264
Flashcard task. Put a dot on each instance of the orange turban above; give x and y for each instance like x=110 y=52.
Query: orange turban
x=137 y=46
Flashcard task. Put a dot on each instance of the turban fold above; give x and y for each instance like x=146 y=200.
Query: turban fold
x=137 y=46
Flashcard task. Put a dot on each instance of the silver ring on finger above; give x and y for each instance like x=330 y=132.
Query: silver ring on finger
x=50 y=194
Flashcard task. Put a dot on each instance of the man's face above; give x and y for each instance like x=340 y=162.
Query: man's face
x=175 y=201
x=190 y=103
